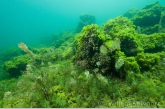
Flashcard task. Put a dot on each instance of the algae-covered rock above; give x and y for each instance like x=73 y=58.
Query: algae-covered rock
x=85 y=20
x=149 y=19
x=9 y=54
x=88 y=43
x=131 y=65
x=63 y=37
x=123 y=29
x=148 y=61
x=149 y=15
x=162 y=20
x=130 y=13
x=16 y=65
x=153 y=43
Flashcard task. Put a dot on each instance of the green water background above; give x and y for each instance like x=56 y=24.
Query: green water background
x=29 y=21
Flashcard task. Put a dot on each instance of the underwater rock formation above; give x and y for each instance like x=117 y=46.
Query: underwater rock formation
x=130 y=13
x=123 y=29
x=87 y=44
x=152 y=43
x=117 y=40
x=16 y=65
x=85 y=19
x=149 y=19
x=111 y=66
x=93 y=51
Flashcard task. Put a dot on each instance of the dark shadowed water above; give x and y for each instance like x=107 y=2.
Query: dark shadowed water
x=29 y=20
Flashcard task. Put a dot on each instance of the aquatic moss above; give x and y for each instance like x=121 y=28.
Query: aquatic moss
x=88 y=43
x=153 y=43
x=149 y=15
x=123 y=29
x=148 y=62
x=114 y=26
x=151 y=90
x=149 y=18
x=109 y=43
x=131 y=65
x=16 y=65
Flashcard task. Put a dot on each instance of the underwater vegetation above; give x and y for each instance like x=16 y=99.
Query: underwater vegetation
x=120 y=63
x=85 y=19
x=150 y=19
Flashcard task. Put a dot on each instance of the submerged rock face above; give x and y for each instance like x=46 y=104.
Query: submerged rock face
x=123 y=29
x=131 y=13
x=16 y=65
x=88 y=43
x=85 y=20
x=148 y=16
x=94 y=53
x=153 y=43
x=149 y=19
x=118 y=40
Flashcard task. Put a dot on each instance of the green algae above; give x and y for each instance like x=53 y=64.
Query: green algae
x=111 y=66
